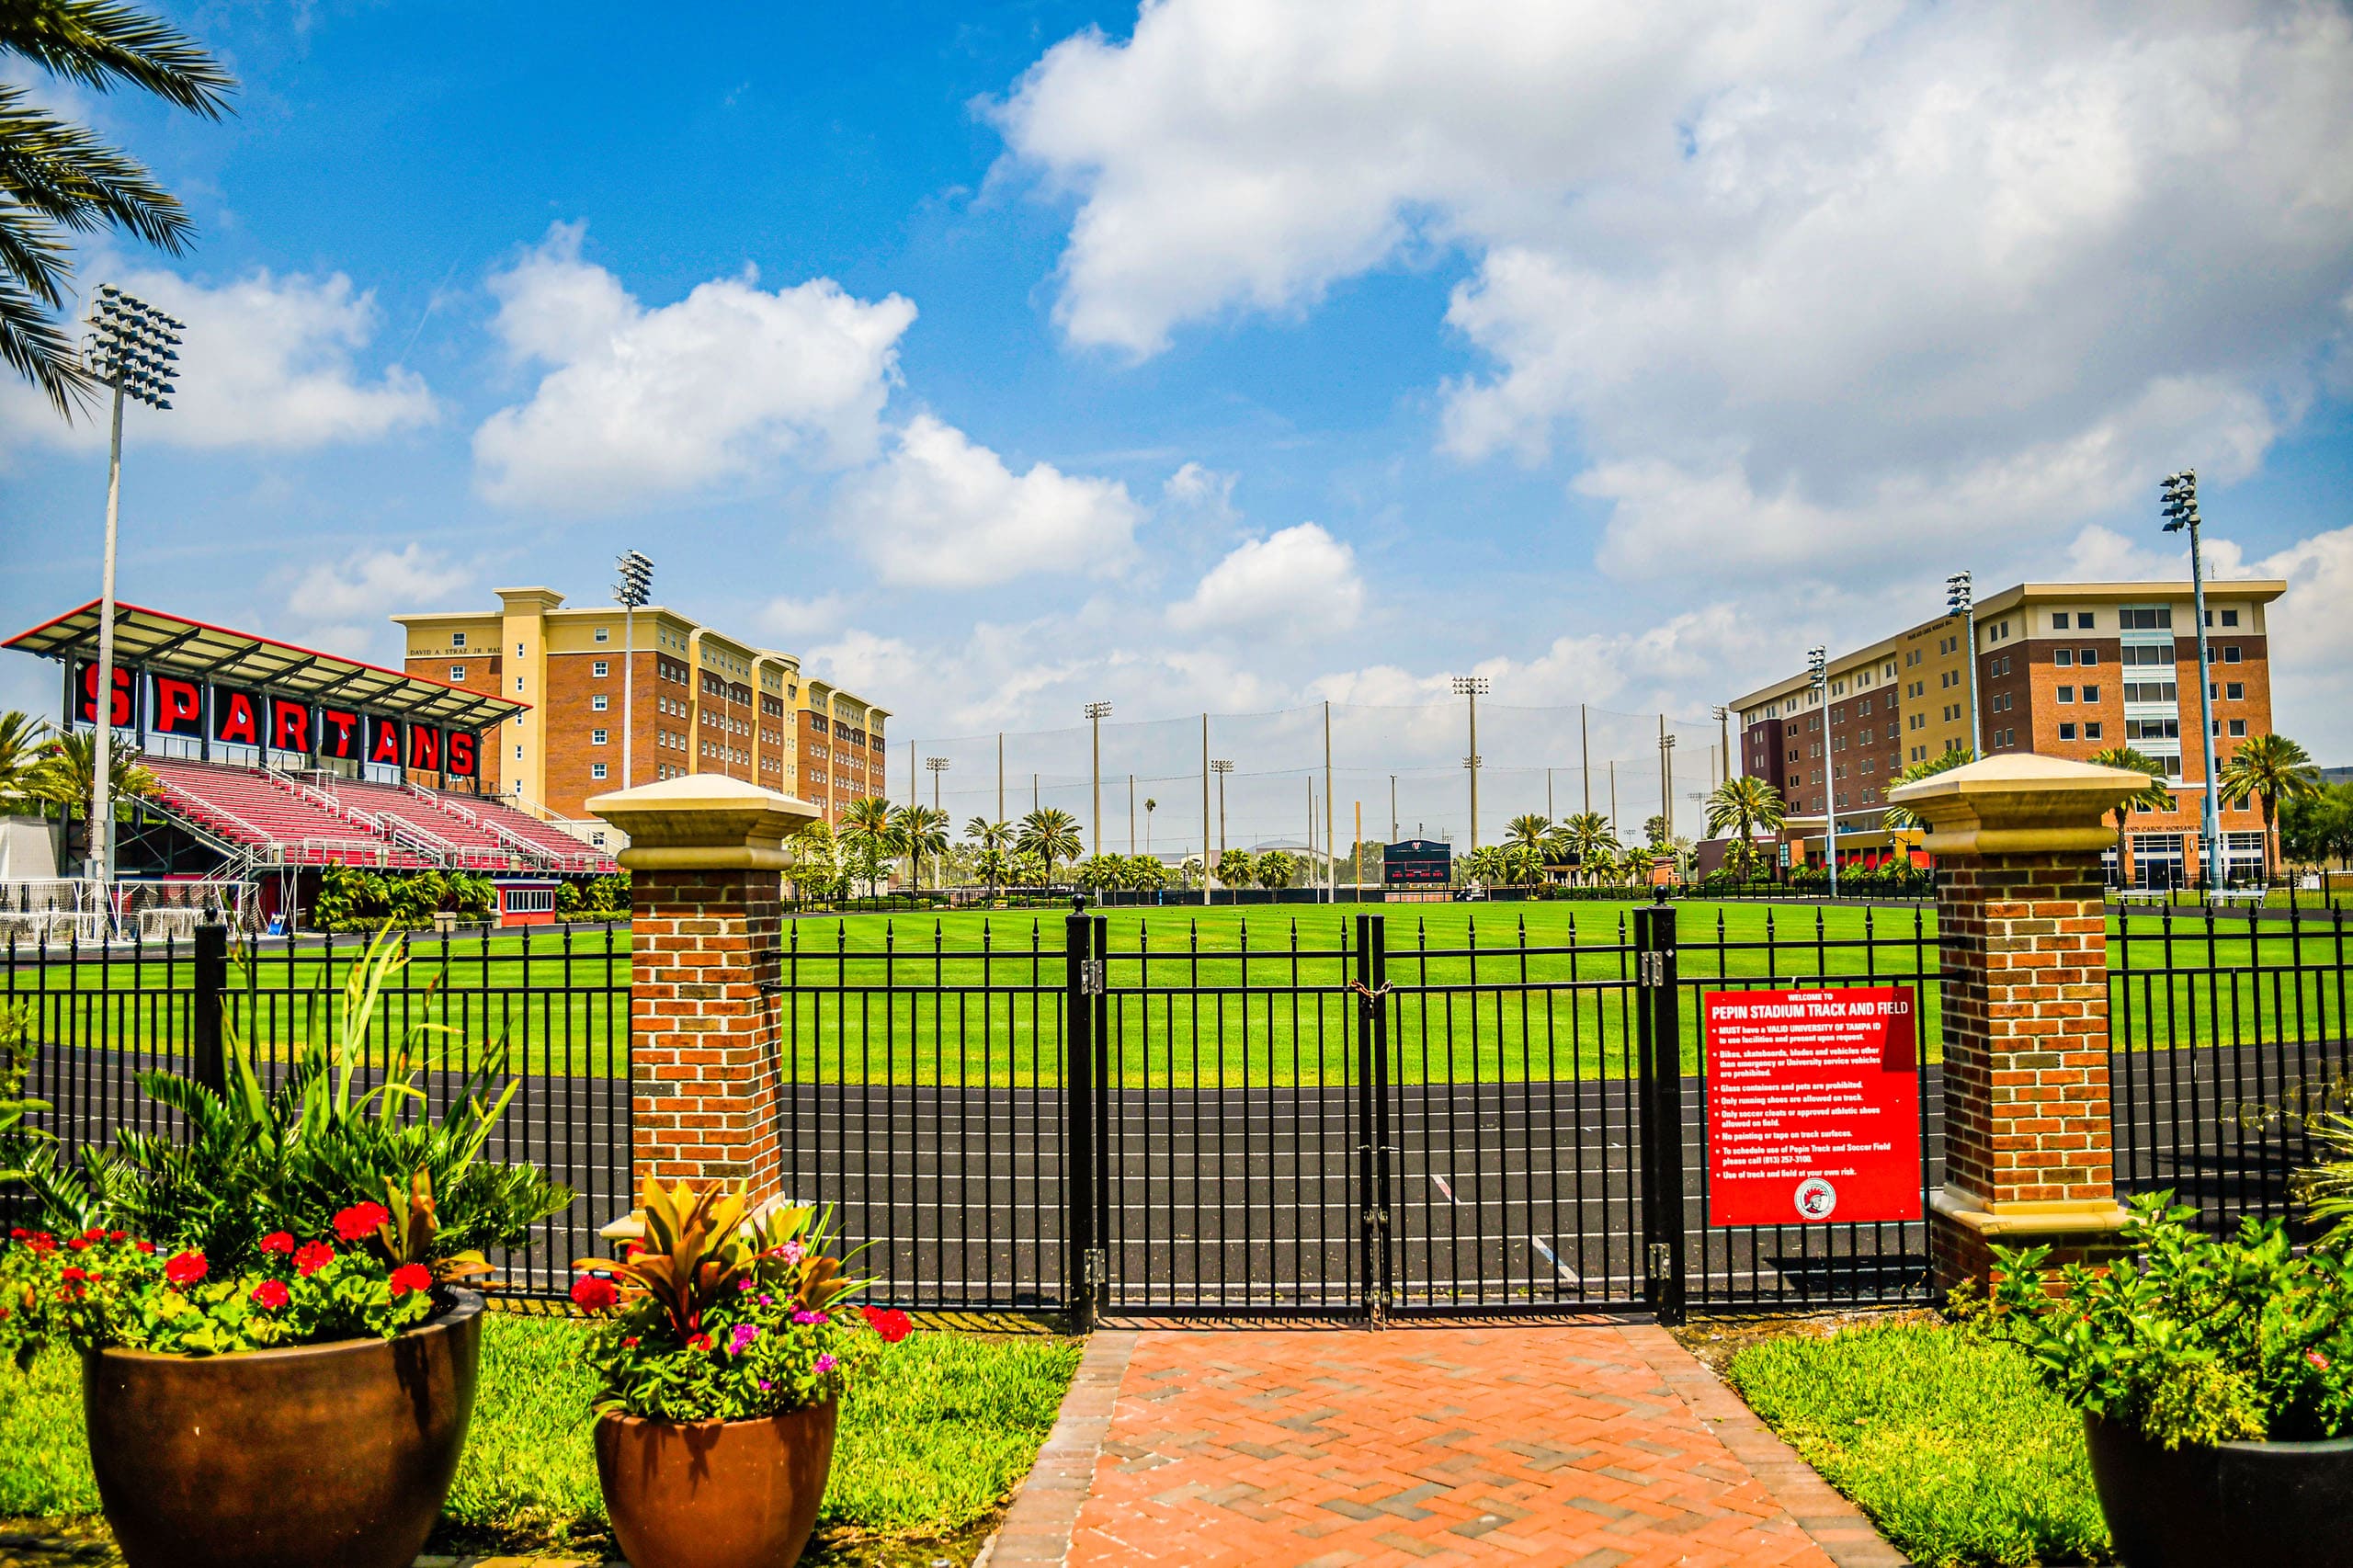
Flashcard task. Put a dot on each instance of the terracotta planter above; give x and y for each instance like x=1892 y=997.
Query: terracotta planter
x=322 y=1456
x=2281 y=1505
x=715 y=1493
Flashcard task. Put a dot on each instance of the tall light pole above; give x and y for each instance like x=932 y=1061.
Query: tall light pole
x=132 y=348
x=1960 y=599
x=1723 y=735
x=1096 y=713
x=634 y=590
x=1205 y=809
x=1221 y=766
x=1473 y=687
x=2179 y=504
x=1666 y=784
x=936 y=766
x=1818 y=672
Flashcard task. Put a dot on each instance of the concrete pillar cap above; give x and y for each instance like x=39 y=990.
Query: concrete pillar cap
x=2018 y=803
x=704 y=821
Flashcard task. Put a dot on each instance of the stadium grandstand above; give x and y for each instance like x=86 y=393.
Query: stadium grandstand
x=272 y=762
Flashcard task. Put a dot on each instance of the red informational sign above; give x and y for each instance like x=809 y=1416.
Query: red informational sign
x=1813 y=1107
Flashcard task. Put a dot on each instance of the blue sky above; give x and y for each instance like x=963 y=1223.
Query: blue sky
x=996 y=358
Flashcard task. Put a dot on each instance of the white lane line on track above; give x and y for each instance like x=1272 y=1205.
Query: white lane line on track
x=1566 y=1271
x=1439 y=1182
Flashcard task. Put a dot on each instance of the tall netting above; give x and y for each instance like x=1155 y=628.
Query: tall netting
x=1402 y=768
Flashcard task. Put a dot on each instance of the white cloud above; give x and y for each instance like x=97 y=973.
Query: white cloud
x=791 y=618
x=1808 y=280
x=267 y=363
x=344 y=608
x=943 y=511
x=644 y=403
x=2311 y=645
x=1297 y=582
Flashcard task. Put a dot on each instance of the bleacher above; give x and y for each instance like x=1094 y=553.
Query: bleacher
x=563 y=851
x=259 y=813
x=461 y=835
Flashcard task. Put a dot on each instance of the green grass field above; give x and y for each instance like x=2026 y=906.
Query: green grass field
x=1255 y=994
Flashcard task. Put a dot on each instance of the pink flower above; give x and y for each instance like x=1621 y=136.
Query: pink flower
x=826 y=1364
x=806 y=1316
x=410 y=1277
x=2319 y=1361
x=792 y=1252
x=739 y=1338
x=270 y=1295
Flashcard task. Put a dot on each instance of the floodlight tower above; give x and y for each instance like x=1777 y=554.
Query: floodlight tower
x=131 y=348
x=2179 y=504
x=1096 y=713
x=1818 y=659
x=1960 y=599
x=1473 y=687
x=634 y=591
x=1221 y=766
x=936 y=766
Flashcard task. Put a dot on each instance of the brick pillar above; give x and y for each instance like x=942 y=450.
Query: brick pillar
x=2022 y=926
x=705 y=857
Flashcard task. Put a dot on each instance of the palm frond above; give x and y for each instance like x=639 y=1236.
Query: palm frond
x=69 y=175
x=102 y=44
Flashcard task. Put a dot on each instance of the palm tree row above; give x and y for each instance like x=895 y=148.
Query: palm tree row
x=41 y=768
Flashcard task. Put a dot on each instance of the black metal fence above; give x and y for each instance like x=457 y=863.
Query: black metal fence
x=1308 y=1113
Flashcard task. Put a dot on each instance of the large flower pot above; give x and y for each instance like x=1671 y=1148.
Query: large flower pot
x=321 y=1456
x=715 y=1493
x=2281 y=1505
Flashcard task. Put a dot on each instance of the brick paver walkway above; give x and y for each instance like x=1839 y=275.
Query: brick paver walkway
x=1579 y=1446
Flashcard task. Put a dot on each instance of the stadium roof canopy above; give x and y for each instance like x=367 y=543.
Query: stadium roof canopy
x=151 y=639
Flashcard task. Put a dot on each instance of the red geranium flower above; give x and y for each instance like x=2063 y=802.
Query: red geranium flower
x=699 y=1342
x=593 y=1294
x=411 y=1277
x=277 y=1241
x=359 y=1221
x=75 y=1274
x=117 y=1236
x=184 y=1269
x=890 y=1323
x=311 y=1256
x=144 y=1246
x=41 y=1242
x=270 y=1295
x=78 y=1242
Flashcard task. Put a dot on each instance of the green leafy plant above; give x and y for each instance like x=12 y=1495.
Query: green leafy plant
x=18 y=1138
x=722 y=1313
x=255 y=1161
x=2194 y=1338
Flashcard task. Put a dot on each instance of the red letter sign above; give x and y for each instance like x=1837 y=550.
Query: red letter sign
x=424 y=748
x=1813 y=1107
x=384 y=739
x=339 y=733
x=236 y=716
x=179 y=707
x=289 y=724
x=459 y=756
x=119 y=712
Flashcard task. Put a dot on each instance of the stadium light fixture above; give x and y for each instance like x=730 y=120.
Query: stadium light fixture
x=633 y=592
x=1960 y=599
x=2179 y=502
x=133 y=348
x=1817 y=668
x=1473 y=687
x=1221 y=766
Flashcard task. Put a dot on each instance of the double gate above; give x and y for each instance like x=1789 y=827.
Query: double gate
x=1358 y=1127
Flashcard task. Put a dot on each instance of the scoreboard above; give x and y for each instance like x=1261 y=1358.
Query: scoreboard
x=1418 y=862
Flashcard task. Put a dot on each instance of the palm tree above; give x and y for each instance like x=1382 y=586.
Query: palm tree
x=1192 y=870
x=1523 y=864
x=1738 y=808
x=866 y=832
x=1586 y=839
x=1529 y=831
x=1485 y=864
x=918 y=831
x=1899 y=817
x=2271 y=769
x=993 y=867
x=994 y=840
x=56 y=176
x=1150 y=806
x=1234 y=868
x=22 y=739
x=1052 y=835
x=69 y=763
x=1277 y=868
x=2156 y=798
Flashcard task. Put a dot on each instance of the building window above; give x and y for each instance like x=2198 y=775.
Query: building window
x=595 y=770
x=2230 y=656
x=2088 y=658
x=598 y=669
x=2082 y=620
x=531 y=901
x=2062 y=657
x=595 y=738
x=456 y=640
x=519 y=757
x=2229 y=618
x=519 y=685
x=457 y=671
x=2058 y=623
x=518 y=652
x=2238 y=732
x=2235 y=692
x=2066 y=732
x=604 y=634
x=2066 y=694
x=597 y=703
x=2091 y=731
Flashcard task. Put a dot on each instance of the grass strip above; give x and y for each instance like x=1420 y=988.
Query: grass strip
x=1943 y=1437
x=931 y=1441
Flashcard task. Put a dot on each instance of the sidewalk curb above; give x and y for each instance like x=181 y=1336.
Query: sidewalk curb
x=1037 y=1528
